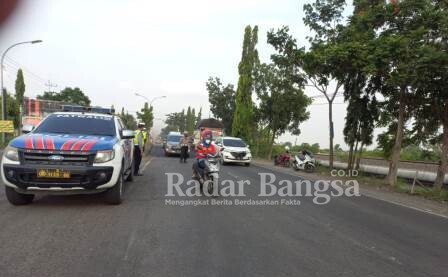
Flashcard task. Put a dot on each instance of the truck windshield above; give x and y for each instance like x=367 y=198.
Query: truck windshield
x=94 y=125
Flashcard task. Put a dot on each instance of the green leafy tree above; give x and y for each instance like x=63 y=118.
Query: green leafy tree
x=199 y=117
x=67 y=95
x=20 y=87
x=128 y=120
x=222 y=101
x=319 y=63
x=287 y=144
x=362 y=115
x=190 y=120
x=146 y=115
x=242 y=125
x=396 y=50
x=283 y=105
x=431 y=80
x=12 y=109
x=338 y=148
x=176 y=122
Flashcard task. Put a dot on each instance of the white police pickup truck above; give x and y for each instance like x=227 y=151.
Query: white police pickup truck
x=76 y=151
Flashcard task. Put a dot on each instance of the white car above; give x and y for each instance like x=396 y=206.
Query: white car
x=69 y=153
x=233 y=150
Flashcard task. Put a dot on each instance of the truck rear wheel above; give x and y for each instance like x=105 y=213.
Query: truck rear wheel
x=16 y=198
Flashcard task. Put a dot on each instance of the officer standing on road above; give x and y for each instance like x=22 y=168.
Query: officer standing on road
x=138 y=148
x=183 y=143
x=145 y=137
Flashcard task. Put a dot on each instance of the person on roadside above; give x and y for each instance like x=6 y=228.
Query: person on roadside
x=183 y=143
x=138 y=148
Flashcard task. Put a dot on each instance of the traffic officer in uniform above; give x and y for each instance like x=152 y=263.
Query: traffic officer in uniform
x=138 y=148
x=145 y=136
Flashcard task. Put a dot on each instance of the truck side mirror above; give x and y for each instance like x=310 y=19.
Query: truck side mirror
x=127 y=134
x=27 y=129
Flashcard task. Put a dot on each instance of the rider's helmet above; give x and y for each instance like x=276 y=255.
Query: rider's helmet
x=207 y=137
x=287 y=149
x=202 y=132
x=185 y=134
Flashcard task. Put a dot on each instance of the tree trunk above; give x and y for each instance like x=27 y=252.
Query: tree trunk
x=350 y=155
x=257 y=145
x=358 y=160
x=391 y=177
x=330 y=117
x=272 y=146
x=352 y=162
x=443 y=167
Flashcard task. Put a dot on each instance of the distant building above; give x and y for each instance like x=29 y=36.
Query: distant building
x=34 y=110
x=212 y=124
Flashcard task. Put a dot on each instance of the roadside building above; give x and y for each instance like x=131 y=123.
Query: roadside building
x=212 y=124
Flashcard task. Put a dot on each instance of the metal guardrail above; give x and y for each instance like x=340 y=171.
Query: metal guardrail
x=381 y=170
x=385 y=160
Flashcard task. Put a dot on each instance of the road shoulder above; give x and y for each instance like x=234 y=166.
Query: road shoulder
x=380 y=193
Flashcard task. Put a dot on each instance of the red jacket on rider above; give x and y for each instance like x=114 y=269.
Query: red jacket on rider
x=202 y=150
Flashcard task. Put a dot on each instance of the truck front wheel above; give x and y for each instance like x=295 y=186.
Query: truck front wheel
x=114 y=195
x=16 y=198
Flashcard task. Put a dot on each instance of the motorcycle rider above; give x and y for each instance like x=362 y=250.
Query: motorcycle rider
x=203 y=148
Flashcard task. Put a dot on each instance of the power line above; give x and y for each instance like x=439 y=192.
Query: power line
x=31 y=75
x=28 y=74
x=18 y=65
x=27 y=78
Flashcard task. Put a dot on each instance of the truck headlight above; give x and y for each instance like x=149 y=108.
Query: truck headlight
x=12 y=153
x=104 y=156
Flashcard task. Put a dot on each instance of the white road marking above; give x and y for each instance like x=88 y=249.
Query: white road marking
x=234 y=176
x=406 y=206
x=145 y=165
x=130 y=243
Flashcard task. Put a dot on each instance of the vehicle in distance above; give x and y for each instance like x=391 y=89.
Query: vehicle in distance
x=233 y=150
x=171 y=145
x=69 y=153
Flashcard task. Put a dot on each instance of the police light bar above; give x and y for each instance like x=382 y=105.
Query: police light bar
x=81 y=109
x=101 y=110
x=72 y=108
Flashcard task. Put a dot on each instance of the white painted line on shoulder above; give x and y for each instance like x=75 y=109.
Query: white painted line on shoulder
x=406 y=206
x=145 y=165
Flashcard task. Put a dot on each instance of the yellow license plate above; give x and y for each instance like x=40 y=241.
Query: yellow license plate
x=53 y=173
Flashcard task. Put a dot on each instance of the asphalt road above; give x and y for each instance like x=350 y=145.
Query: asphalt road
x=81 y=236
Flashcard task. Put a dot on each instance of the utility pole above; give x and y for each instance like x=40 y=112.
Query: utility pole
x=50 y=85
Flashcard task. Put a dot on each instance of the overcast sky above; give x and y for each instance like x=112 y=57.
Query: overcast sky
x=114 y=48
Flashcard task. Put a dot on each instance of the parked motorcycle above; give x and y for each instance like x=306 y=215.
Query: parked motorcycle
x=283 y=160
x=304 y=161
x=211 y=176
